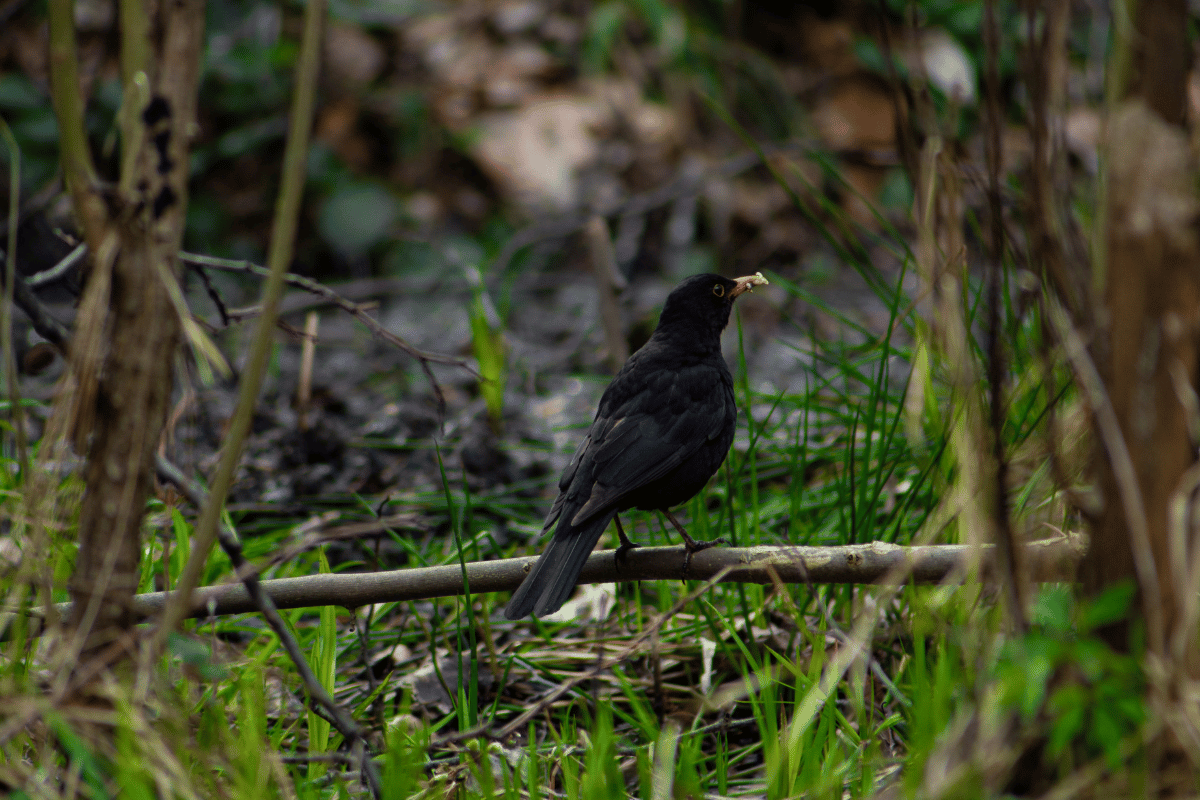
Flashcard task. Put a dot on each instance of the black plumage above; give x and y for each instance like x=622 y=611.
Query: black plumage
x=663 y=428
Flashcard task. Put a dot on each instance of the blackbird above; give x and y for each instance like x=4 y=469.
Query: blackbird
x=663 y=427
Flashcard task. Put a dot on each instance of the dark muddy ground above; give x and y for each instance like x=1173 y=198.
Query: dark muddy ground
x=373 y=419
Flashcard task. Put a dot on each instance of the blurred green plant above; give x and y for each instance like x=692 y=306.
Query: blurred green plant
x=487 y=343
x=1061 y=676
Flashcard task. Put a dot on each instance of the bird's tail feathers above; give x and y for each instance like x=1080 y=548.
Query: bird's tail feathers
x=555 y=574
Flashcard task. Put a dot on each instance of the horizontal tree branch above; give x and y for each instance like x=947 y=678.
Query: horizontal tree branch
x=1049 y=560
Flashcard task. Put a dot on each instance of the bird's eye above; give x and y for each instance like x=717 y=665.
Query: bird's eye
x=719 y=290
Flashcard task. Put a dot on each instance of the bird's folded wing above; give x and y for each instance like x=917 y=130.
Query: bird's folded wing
x=651 y=433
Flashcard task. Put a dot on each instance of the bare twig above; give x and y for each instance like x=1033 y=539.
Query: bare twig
x=40 y=317
x=357 y=310
x=1050 y=560
x=320 y=700
x=304 y=382
x=59 y=270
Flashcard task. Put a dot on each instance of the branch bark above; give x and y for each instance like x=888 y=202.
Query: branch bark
x=877 y=562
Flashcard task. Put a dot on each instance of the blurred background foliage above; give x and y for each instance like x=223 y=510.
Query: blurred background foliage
x=473 y=119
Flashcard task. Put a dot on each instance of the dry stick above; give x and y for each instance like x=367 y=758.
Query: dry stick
x=304 y=387
x=42 y=320
x=782 y=564
x=609 y=283
x=1050 y=560
x=76 y=157
x=319 y=699
x=350 y=531
x=357 y=310
x=74 y=408
x=60 y=270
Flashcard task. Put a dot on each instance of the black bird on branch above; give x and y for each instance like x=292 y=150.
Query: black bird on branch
x=663 y=428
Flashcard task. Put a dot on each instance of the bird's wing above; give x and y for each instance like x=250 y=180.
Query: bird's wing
x=646 y=428
x=568 y=476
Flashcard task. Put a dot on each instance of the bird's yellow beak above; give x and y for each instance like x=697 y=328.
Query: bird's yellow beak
x=748 y=282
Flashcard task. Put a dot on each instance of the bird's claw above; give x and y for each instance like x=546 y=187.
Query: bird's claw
x=692 y=546
x=695 y=547
x=626 y=544
x=623 y=551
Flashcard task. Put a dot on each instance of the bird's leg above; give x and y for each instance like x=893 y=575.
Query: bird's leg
x=690 y=544
x=626 y=545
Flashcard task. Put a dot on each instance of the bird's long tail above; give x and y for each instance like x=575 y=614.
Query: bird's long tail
x=555 y=574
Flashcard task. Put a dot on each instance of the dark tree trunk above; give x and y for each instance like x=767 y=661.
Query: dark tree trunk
x=1146 y=343
x=136 y=332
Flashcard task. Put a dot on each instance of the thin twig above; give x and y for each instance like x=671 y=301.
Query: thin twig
x=357 y=310
x=304 y=382
x=319 y=699
x=47 y=326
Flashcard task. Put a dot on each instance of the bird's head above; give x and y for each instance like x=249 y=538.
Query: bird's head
x=703 y=302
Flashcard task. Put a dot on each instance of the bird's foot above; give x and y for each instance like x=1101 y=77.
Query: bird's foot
x=693 y=546
x=623 y=551
x=690 y=544
x=626 y=544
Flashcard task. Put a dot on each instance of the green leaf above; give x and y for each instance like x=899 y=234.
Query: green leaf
x=1052 y=609
x=1112 y=605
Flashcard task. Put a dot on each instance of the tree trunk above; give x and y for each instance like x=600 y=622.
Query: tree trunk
x=1146 y=347
x=133 y=336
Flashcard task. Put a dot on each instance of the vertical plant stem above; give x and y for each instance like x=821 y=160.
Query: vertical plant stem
x=76 y=158
x=283 y=233
x=135 y=58
x=1010 y=554
x=16 y=414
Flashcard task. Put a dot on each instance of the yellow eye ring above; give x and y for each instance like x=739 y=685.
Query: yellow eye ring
x=719 y=290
